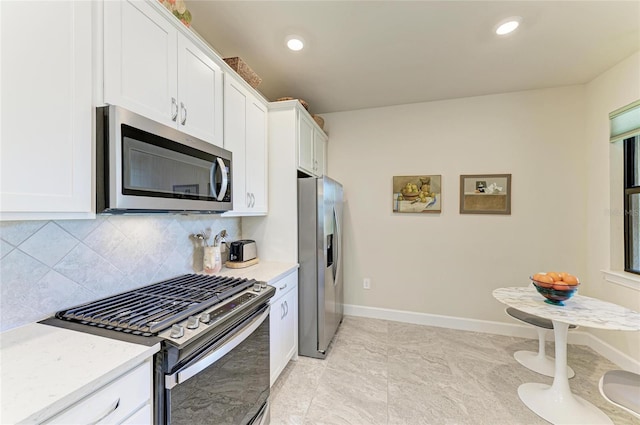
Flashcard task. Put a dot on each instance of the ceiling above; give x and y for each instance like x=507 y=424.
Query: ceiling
x=364 y=54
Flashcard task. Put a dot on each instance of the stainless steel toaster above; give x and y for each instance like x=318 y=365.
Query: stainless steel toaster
x=243 y=250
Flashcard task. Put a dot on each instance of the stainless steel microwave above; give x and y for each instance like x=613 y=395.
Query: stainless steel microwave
x=143 y=166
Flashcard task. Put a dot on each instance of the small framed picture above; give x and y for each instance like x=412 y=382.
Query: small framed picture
x=485 y=194
x=417 y=194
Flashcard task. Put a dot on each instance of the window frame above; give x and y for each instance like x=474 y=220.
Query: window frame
x=630 y=176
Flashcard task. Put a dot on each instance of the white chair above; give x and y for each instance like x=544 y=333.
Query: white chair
x=622 y=388
x=538 y=362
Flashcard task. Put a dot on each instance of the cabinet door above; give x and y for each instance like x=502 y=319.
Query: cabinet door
x=305 y=144
x=45 y=90
x=235 y=134
x=283 y=324
x=199 y=93
x=256 y=159
x=289 y=329
x=140 y=60
x=319 y=149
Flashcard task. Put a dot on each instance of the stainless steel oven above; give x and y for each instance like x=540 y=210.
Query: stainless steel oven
x=226 y=383
x=213 y=365
x=144 y=166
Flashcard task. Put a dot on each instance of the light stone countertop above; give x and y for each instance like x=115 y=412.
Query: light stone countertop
x=268 y=271
x=44 y=369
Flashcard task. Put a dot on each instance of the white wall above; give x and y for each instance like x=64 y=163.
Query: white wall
x=615 y=88
x=448 y=263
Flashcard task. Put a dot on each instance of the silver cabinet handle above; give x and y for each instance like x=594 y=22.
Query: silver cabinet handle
x=109 y=411
x=282 y=287
x=174 y=109
x=282 y=311
x=183 y=114
x=248 y=200
x=253 y=200
x=286 y=308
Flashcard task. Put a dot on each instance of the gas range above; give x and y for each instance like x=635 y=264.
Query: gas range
x=175 y=310
x=211 y=330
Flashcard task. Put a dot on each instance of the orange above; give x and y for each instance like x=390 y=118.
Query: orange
x=570 y=280
x=543 y=278
x=554 y=276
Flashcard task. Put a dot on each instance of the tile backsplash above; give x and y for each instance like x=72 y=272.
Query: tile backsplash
x=46 y=266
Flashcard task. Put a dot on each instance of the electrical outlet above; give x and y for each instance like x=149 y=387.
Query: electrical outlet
x=366 y=284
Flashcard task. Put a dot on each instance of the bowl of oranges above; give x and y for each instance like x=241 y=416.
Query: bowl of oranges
x=555 y=287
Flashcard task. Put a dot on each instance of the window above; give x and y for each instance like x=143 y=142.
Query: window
x=632 y=204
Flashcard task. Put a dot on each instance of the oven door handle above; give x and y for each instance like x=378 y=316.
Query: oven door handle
x=181 y=376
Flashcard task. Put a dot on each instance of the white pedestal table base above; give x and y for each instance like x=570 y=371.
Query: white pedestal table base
x=559 y=408
x=556 y=403
x=543 y=365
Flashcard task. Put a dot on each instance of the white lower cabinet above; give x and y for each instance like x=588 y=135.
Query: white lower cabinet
x=283 y=323
x=143 y=416
x=126 y=400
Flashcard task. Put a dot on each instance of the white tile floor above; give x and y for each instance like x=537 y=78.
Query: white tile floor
x=382 y=372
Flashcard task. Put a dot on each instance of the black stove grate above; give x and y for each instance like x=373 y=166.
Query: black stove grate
x=153 y=308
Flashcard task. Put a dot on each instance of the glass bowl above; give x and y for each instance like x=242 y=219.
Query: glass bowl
x=555 y=293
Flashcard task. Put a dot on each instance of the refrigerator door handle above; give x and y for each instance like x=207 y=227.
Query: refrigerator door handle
x=336 y=247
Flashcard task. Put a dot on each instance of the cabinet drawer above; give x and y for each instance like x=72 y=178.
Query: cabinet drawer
x=141 y=417
x=112 y=403
x=284 y=285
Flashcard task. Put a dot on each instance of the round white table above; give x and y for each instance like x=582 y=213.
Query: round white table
x=556 y=403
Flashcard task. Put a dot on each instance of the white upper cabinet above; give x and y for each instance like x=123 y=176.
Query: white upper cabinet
x=311 y=146
x=256 y=157
x=140 y=60
x=46 y=117
x=153 y=69
x=320 y=151
x=199 y=93
x=245 y=123
x=305 y=144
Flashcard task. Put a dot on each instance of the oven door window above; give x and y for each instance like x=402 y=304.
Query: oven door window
x=158 y=167
x=231 y=391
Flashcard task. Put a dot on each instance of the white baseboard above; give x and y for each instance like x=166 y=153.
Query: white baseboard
x=578 y=337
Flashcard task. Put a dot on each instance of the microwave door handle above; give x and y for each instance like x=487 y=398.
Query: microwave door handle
x=225 y=180
x=212 y=179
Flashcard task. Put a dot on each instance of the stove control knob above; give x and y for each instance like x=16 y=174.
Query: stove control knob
x=263 y=285
x=177 y=331
x=257 y=287
x=205 y=317
x=193 y=322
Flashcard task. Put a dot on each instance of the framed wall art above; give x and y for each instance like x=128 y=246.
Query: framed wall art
x=485 y=194
x=417 y=194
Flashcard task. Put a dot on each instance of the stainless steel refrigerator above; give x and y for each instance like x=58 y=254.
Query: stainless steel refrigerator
x=320 y=288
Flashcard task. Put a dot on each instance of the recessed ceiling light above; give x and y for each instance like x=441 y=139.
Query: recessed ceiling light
x=507 y=26
x=295 y=42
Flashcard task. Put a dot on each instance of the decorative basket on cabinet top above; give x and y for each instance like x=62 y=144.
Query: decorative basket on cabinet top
x=247 y=74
